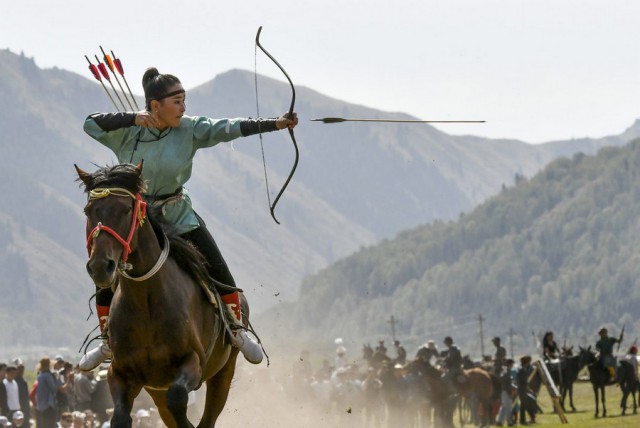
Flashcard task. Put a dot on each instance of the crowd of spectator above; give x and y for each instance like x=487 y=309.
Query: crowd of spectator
x=60 y=396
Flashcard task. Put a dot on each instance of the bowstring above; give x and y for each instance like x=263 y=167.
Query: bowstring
x=264 y=162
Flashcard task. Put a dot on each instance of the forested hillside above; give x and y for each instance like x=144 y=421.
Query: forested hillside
x=558 y=252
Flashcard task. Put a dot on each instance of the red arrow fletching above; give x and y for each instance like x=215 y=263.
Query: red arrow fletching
x=95 y=72
x=119 y=66
x=103 y=71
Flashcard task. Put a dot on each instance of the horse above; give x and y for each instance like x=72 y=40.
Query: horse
x=599 y=377
x=437 y=391
x=629 y=385
x=166 y=334
x=478 y=390
x=565 y=372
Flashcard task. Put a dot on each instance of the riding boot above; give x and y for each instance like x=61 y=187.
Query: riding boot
x=248 y=346
x=97 y=356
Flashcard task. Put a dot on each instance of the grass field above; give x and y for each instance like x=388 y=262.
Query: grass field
x=584 y=402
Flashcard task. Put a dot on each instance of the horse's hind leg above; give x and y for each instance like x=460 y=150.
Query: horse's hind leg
x=217 y=392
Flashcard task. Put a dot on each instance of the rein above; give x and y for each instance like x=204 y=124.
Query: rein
x=138 y=219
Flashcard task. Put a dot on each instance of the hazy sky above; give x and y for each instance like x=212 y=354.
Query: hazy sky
x=536 y=70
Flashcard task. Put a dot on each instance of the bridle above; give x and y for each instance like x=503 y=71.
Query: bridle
x=139 y=216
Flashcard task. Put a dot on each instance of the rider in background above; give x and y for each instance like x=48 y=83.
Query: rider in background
x=401 y=352
x=550 y=349
x=605 y=347
x=452 y=361
x=167 y=140
x=632 y=358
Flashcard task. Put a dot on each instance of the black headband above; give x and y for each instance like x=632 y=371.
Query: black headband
x=170 y=94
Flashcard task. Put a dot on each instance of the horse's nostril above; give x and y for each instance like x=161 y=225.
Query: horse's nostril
x=89 y=270
x=111 y=266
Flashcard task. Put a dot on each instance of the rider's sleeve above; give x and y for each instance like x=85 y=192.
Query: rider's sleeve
x=112 y=121
x=111 y=129
x=208 y=132
x=256 y=126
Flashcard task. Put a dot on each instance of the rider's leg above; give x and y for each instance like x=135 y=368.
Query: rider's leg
x=219 y=271
x=97 y=356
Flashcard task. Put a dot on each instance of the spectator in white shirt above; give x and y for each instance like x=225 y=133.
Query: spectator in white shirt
x=13 y=397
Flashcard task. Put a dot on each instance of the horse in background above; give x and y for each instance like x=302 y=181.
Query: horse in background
x=166 y=334
x=629 y=385
x=600 y=378
x=565 y=372
x=478 y=390
x=437 y=391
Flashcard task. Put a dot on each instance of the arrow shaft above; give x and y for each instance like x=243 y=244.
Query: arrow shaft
x=340 y=119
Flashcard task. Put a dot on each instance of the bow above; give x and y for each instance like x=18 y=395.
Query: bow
x=272 y=206
x=620 y=338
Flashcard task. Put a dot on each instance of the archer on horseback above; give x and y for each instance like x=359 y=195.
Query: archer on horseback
x=605 y=347
x=550 y=349
x=166 y=139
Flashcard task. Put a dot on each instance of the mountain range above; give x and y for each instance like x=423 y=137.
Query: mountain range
x=356 y=185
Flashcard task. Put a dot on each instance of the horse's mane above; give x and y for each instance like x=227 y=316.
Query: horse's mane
x=122 y=175
x=182 y=251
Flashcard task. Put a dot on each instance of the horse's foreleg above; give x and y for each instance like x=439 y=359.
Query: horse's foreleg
x=595 y=393
x=159 y=397
x=217 y=392
x=604 y=407
x=187 y=379
x=123 y=395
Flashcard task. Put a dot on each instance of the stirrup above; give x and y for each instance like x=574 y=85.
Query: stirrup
x=251 y=350
x=95 y=357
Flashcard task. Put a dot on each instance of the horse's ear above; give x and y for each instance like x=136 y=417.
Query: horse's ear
x=85 y=177
x=139 y=167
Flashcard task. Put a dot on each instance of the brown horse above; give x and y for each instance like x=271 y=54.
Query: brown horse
x=437 y=392
x=165 y=334
x=478 y=391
